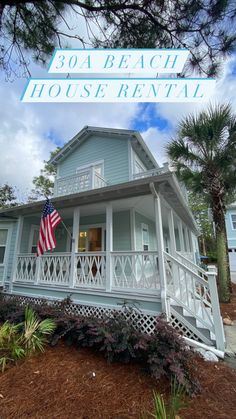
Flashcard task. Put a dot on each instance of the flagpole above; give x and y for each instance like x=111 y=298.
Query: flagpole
x=68 y=231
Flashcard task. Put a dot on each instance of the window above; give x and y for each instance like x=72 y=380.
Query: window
x=233 y=220
x=138 y=166
x=145 y=237
x=34 y=240
x=3 y=243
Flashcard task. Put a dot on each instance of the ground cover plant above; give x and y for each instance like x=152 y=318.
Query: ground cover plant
x=162 y=354
x=22 y=339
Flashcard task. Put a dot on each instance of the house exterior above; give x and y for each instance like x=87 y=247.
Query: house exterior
x=133 y=239
x=230 y=220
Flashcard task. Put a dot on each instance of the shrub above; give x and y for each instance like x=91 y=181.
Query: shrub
x=17 y=341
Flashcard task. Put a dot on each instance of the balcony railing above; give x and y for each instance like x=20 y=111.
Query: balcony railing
x=82 y=181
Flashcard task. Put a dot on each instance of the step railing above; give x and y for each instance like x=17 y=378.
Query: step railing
x=196 y=292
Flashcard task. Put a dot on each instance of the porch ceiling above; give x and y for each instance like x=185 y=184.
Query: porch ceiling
x=123 y=196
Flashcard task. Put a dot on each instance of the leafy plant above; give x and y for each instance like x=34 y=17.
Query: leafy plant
x=22 y=339
x=11 y=348
x=168 y=410
x=35 y=332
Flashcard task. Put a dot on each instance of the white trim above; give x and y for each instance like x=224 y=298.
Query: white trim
x=85 y=227
x=89 y=165
x=17 y=247
x=146 y=228
x=132 y=229
x=4 y=265
x=31 y=236
x=130 y=151
x=231 y=221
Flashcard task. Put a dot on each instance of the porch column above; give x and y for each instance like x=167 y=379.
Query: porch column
x=74 y=245
x=181 y=236
x=160 y=250
x=109 y=245
x=17 y=249
x=187 y=240
x=171 y=227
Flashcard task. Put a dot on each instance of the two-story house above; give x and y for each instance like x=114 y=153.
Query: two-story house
x=133 y=239
x=230 y=220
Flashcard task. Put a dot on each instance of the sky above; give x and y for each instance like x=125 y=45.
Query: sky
x=30 y=131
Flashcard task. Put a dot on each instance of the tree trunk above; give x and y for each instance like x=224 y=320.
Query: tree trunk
x=222 y=252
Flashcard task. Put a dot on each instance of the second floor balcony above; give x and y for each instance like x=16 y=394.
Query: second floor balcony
x=83 y=181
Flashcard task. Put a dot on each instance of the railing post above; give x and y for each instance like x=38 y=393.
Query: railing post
x=109 y=246
x=181 y=236
x=173 y=247
x=218 y=324
x=74 y=246
x=37 y=270
x=160 y=251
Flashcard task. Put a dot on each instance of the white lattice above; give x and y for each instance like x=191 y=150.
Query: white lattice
x=182 y=329
x=90 y=270
x=25 y=268
x=142 y=321
x=55 y=269
x=135 y=270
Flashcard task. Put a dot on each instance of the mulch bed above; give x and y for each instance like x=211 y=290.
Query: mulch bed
x=229 y=309
x=60 y=384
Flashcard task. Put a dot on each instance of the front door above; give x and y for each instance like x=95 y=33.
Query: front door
x=91 y=240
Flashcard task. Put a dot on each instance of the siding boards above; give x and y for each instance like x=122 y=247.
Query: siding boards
x=139 y=219
x=114 y=152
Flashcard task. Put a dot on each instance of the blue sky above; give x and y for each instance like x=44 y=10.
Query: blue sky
x=28 y=131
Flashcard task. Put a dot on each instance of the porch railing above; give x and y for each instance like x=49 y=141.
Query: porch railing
x=129 y=270
x=135 y=270
x=79 y=182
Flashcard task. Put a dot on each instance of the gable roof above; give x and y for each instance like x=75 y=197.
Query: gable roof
x=136 y=139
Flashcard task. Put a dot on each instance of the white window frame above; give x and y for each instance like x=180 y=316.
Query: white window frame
x=6 y=245
x=231 y=220
x=145 y=227
x=86 y=227
x=33 y=228
x=91 y=165
x=136 y=159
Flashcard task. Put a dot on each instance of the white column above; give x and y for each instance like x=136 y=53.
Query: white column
x=171 y=227
x=109 y=245
x=17 y=248
x=160 y=250
x=74 y=246
x=187 y=240
x=181 y=236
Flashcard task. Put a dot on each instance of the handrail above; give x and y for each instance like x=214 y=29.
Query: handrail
x=181 y=265
x=192 y=263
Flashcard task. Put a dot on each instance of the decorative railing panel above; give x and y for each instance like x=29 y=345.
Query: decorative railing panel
x=25 y=268
x=153 y=172
x=79 y=182
x=135 y=270
x=55 y=269
x=90 y=270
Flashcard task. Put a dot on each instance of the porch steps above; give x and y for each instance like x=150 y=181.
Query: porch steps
x=200 y=333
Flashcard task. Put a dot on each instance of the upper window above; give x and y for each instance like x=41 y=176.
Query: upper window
x=138 y=166
x=91 y=176
x=233 y=220
x=3 y=243
x=145 y=237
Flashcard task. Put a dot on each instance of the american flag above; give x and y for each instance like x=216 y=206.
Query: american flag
x=49 y=220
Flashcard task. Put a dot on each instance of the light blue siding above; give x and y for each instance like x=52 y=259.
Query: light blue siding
x=114 y=152
x=11 y=253
x=231 y=233
x=89 y=298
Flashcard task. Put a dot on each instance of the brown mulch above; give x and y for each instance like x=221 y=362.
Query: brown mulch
x=229 y=309
x=60 y=384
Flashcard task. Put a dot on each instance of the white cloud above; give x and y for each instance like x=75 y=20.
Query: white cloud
x=157 y=140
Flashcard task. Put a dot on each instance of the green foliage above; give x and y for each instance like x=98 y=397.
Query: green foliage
x=206 y=29
x=35 y=331
x=168 y=410
x=7 y=196
x=204 y=154
x=44 y=183
x=22 y=339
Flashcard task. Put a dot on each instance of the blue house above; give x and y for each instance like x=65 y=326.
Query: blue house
x=230 y=219
x=134 y=239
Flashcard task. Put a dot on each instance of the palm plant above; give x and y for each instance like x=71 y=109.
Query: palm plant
x=35 y=332
x=204 y=155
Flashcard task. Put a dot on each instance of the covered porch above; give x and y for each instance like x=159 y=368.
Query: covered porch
x=115 y=247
